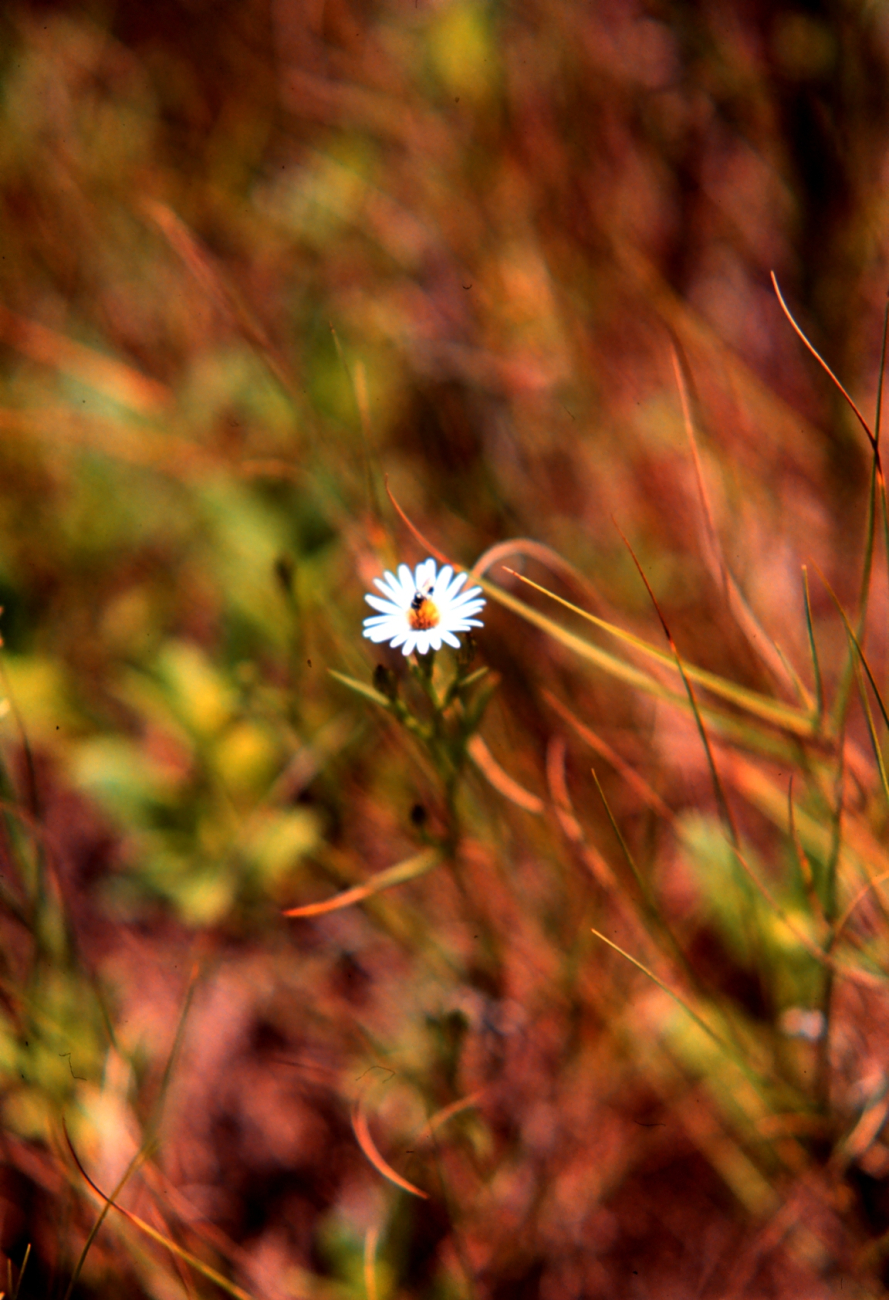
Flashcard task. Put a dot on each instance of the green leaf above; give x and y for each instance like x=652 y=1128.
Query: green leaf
x=360 y=688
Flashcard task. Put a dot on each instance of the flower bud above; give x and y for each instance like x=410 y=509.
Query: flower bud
x=386 y=682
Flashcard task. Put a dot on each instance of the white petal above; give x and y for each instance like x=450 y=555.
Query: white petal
x=468 y=606
x=468 y=597
x=377 y=634
x=390 y=587
x=406 y=582
x=439 y=591
x=384 y=606
x=456 y=585
x=425 y=575
x=449 y=638
x=399 y=589
x=409 y=643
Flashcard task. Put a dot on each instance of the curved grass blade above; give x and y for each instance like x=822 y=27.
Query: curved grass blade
x=870 y=677
x=155 y=1117
x=625 y=672
x=433 y=550
x=197 y=1264
x=856 y=643
x=879 y=411
x=759 y=789
x=220 y=290
x=825 y=367
x=878 y=468
x=533 y=550
x=852 y=973
x=711 y=1033
x=813 y=647
x=633 y=676
x=650 y=908
x=718 y=789
x=876 y=492
x=15 y=1291
x=501 y=781
x=604 y=750
x=371 y=1241
x=113 y=379
x=779 y=715
x=777 y=745
x=869 y=546
x=805 y=867
x=150 y=1132
x=786 y=716
x=852 y=906
x=410 y=869
x=138 y=1159
x=560 y=795
x=441 y=1117
x=368 y=1146
x=648 y=898
x=872 y=731
x=758 y=640
x=358 y=384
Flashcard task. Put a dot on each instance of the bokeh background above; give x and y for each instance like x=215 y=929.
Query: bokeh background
x=255 y=255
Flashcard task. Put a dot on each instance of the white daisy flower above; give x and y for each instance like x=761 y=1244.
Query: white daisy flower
x=422 y=609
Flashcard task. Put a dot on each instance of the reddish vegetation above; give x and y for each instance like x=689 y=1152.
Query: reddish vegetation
x=256 y=256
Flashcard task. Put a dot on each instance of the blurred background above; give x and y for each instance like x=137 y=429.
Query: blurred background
x=254 y=256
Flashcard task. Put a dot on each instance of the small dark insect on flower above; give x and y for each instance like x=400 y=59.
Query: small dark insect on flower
x=422 y=593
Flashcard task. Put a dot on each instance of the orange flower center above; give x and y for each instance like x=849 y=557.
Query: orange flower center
x=424 y=616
